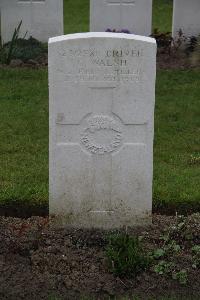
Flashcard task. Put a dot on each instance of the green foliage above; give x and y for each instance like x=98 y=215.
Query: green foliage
x=28 y=49
x=177 y=122
x=181 y=276
x=170 y=248
x=163 y=267
x=23 y=137
x=76 y=16
x=195 y=159
x=163 y=39
x=196 y=257
x=183 y=230
x=162 y=15
x=7 y=53
x=158 y=253
x=193 y=50
x=125 y=255
x=21 y=48
x=2 y=55
x=11 y=48
x=196 y=249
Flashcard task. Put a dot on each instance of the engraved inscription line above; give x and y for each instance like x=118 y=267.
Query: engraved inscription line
x=121 y=2
x=112 y=65
x=30 y=1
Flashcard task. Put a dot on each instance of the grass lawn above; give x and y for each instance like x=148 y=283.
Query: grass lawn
x=24 y=126
x=177 y=143
x=76 y=15
x=24 y=137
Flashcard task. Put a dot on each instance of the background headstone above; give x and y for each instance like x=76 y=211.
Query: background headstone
x=102 y=93
x=186 y=16
x=41 y=19
x=134 y=15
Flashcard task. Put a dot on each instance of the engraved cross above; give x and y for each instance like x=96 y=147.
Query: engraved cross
x=122 y=8
x=112 y=137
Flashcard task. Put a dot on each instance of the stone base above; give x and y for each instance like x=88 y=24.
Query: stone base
x=102 y=220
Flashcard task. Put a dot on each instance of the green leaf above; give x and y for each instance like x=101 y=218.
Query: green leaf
x=158 y=253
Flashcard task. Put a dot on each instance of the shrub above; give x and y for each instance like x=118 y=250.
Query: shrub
x=27 y=49
x=125 y=255
x=163 y=39
x=21 y=48
x=6 y=54
x=194 y=48
x=181 y=276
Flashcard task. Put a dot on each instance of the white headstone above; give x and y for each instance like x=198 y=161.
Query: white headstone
x=186 y=17
x=41 y=19
x=133 y=15
x=102 y=93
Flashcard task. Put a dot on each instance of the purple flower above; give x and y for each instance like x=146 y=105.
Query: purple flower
x=125 y=31
x=118 y=31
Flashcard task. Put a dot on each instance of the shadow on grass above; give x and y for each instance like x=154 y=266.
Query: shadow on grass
x=23 y=210
x=18 y=209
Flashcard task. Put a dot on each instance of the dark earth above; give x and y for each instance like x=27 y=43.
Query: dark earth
x=40 y=261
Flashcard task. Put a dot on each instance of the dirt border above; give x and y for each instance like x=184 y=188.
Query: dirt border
x=38 y=260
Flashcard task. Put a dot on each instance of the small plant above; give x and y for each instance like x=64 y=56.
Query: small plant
x=22 y=49
x=193 y=51
x=196 y=249
x=181 y=276
x=163 y=39
x=196 y=256
x=11 y=48
x=163 y=267
x=125 y=255
x=195 y=56
x=30 y=49
x=166 y=43
x=195 y=159
x=179 y=41
x=158 y=253
x=173 y=247
x=191 y=45
x=169 y=247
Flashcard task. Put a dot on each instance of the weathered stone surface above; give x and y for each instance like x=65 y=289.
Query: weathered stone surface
x=134 y=15
x=102 y=93
x=41 y=19
x=186 y=17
